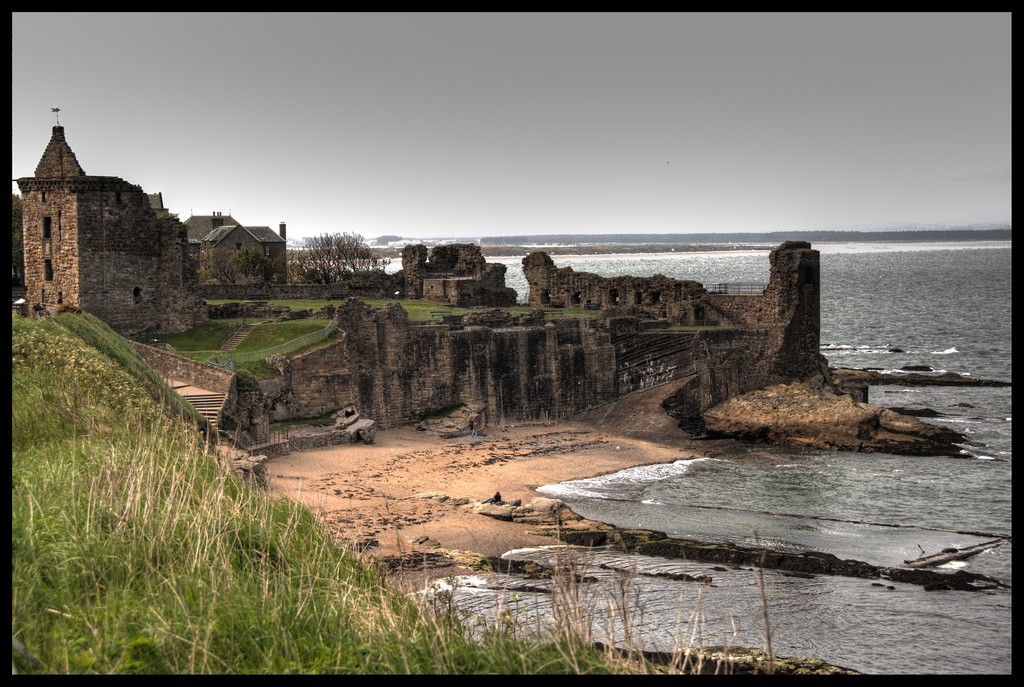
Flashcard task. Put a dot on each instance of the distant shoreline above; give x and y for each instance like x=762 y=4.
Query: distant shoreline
x=668 y=249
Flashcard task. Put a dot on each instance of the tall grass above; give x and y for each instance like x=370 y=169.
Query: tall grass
x=135 y=551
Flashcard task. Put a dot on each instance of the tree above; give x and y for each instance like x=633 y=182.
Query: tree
x=218 y=264
x=332 y=258
x=258 y=267
x=17 y=247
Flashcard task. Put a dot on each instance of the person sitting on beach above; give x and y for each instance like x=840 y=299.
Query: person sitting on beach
x=496 y=499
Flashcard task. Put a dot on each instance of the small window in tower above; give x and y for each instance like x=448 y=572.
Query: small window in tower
x=117 y=197
x=238 y=246
x=48 y=270
x=136 y=295
x=266 y=250
x=47 y=227
x=42 y=196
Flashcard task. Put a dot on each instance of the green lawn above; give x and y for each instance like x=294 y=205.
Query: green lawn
x=421 y=310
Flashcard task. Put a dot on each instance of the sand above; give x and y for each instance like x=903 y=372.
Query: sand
x=365 y=494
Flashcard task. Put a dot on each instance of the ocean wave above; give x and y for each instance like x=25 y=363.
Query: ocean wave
x=948 y=351
x=621 y=484
x=863 y=349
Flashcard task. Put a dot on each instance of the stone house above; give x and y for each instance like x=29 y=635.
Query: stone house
x=220 y=231
x=97 y=243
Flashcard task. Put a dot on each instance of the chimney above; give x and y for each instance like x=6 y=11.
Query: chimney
x=280 y=231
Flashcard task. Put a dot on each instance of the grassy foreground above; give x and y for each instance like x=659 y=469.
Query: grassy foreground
x=133 y=551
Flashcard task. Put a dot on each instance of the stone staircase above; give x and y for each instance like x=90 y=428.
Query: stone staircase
x=237 y=337
x=208 y=405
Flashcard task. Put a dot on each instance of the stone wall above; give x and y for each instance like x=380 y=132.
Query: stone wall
x=197 y=374
x=360 y=285
x=394 y=370
x=457 y=274
x=657 y=296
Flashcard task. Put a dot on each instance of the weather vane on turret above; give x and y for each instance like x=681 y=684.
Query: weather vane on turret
x=57 y=110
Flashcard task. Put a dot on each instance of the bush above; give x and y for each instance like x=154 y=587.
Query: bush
x=68 y=308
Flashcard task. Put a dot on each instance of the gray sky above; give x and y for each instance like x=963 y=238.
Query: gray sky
x=467 y=125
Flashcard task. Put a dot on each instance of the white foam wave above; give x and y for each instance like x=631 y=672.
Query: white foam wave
x=607 y=485
x=842 y=349
x=946 y=352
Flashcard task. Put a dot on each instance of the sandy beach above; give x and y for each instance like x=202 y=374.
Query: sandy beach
x=365 y=494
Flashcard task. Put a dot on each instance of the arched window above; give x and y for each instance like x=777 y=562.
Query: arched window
x=136 y=295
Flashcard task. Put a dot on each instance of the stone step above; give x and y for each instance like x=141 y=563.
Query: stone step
x=237 y=337
x=207 y=405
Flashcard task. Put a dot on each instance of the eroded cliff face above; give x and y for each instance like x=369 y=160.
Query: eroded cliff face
x=394 y=370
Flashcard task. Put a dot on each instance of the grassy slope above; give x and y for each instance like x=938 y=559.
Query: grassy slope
x=132 y=551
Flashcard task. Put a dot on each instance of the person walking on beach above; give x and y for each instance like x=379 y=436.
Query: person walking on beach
x=472 y=427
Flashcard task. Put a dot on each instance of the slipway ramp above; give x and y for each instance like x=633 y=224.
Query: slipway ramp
x=639 y=415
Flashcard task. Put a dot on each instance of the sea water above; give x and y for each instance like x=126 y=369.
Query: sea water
x=946 y=306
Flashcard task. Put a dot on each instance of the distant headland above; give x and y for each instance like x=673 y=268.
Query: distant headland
x=649 y=243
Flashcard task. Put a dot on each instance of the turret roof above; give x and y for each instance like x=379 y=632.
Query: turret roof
x=58 y=159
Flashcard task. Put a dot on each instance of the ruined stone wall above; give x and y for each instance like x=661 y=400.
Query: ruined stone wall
x=95 y=242
x=526 y=368
x=657 y=296
x=361 y=285
x=457 y=274
x=273 y=292
x=736 y=308
x=793 y=303
x=393 y=370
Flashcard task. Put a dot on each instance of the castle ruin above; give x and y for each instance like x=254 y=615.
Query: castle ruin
x=529 y=368
x=95 y=242
x=456 y=274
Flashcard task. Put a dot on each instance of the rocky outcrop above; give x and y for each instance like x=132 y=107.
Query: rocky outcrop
x=916 y=377
x=801 y=414
x=250 y=469
x=539 y=511
x=354 y=427
x=807 y=564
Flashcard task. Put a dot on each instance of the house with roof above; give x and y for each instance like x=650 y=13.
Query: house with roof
x=224 y=231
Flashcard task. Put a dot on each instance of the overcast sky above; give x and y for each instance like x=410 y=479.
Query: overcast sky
x=468 y=125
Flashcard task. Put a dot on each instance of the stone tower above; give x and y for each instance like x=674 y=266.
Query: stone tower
x=794 y=300
x=96 y=242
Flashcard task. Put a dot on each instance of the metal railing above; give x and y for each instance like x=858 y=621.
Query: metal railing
x=231 y=332
x=736 y=288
